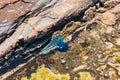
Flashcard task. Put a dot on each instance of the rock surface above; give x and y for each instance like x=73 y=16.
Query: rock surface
x=95 y=40
x=50 y=17
x=5 y=2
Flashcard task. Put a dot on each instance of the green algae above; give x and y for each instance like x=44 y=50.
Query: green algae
x=43 y=73
x=118 y=59
x=63 y=78
x=84 y=77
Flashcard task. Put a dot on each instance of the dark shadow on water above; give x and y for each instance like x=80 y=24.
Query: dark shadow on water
x=13 y=65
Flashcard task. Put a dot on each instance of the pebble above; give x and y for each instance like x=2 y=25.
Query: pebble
x=106 y=76
x=66 y=67
x=63 y=61
x=20 y=37
x=99 y=70
x=85 y=58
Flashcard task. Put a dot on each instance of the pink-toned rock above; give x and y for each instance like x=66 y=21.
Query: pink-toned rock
x=29 y=0
x=108 y=18
x=116 y=9
x=14 y=14
x=5 y=2
x=109 y=30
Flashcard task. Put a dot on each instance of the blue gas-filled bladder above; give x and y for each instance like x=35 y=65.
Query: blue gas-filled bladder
x=56 y=43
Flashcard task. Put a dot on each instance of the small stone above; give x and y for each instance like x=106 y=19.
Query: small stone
x=66 y=67
x=85 y=58
x=113 y=36
x=63 y=61
x=68 y=38
x=98 y=69
x=20 y=37
x=106 y=76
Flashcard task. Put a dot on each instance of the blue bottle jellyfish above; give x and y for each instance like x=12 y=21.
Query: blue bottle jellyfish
x=56 y=43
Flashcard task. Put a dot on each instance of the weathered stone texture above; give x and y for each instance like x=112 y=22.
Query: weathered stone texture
x=5 y=2
x=54 y=14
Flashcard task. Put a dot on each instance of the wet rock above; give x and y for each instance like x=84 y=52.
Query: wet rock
x=98 y=37
x=42 y=16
